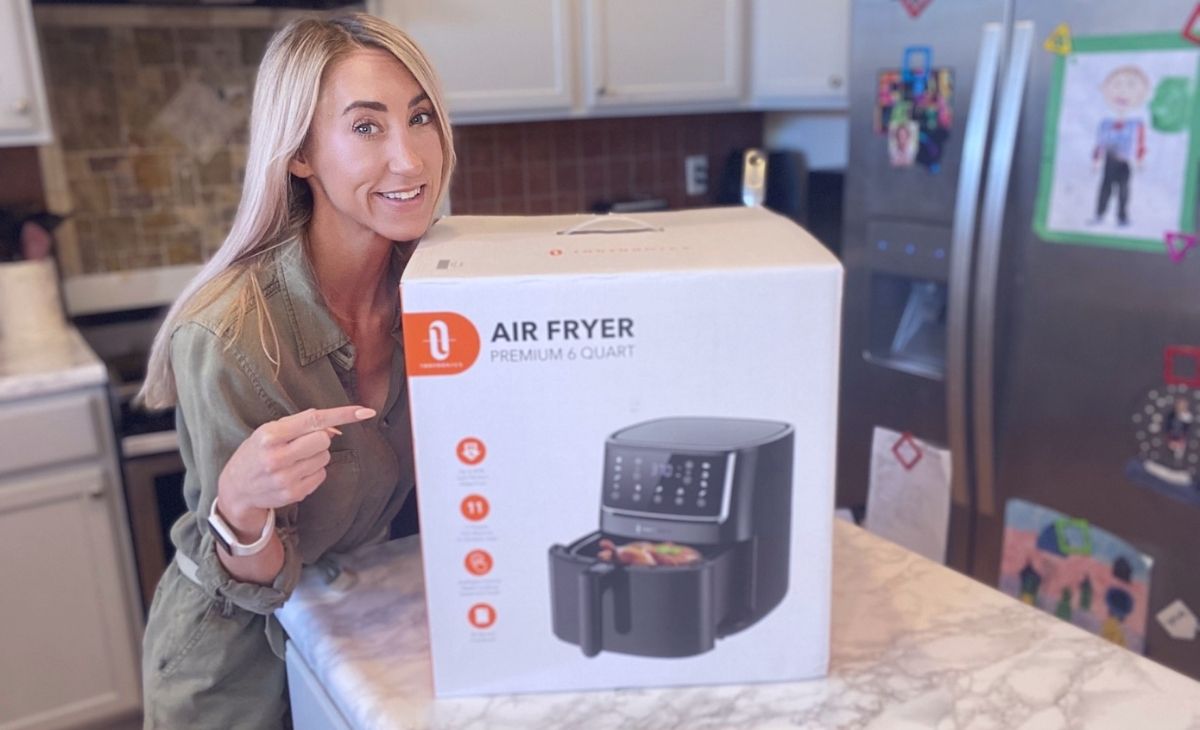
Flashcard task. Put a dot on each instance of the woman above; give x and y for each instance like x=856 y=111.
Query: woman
x=283 y=360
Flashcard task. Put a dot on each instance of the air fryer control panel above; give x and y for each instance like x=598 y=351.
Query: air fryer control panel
x=666 y=483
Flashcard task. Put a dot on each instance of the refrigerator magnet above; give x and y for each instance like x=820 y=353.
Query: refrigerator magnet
x=1118 y=146
x=1077 y=571
x=1192 y=25
x=1059 y=42
x=1178 y=621
x=914 y=8
x=1181 y=365
x=1178 y=244
x=1168 y=440
x=915 y=66
x=906 y=451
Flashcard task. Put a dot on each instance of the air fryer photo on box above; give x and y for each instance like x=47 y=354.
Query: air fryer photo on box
x=625 y=436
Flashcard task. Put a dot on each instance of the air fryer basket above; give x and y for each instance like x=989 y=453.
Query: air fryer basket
x=661 y=611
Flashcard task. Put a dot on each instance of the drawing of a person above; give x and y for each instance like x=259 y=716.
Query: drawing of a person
x=1121 y=138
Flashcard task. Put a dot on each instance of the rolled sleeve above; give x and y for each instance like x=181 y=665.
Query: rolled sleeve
x=221 y=401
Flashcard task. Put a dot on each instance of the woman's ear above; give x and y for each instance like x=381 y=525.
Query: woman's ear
x=299 y=166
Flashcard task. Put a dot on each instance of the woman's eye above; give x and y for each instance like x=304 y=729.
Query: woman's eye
x=421 y=118
x=366 y=128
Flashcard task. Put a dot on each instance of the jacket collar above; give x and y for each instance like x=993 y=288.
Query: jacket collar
x=315 y=331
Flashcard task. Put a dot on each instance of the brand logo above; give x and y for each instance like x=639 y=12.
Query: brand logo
x=439 y=340
x=439 y=343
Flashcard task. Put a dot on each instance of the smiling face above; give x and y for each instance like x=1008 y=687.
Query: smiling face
x=1126 y=89
x=373 y=154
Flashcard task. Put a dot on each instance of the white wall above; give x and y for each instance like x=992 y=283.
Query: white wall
x=823 y=137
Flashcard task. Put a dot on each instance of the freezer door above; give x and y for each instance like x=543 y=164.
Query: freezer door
x=1081 y=325
x=909 y=226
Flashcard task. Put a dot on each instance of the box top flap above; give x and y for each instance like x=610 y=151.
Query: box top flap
x=704 y=239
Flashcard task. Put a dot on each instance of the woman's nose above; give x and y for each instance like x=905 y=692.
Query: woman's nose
x=404 y=159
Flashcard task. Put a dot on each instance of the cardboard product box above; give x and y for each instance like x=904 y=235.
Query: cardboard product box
x=625 y=436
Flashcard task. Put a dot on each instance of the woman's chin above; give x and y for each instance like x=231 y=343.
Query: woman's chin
x=406 y=231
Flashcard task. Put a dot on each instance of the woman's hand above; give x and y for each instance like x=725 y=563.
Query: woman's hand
x=282 y=462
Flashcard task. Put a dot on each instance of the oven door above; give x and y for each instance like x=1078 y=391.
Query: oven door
x=154 y=495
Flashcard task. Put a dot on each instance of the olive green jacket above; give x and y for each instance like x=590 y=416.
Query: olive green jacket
x=228 y=387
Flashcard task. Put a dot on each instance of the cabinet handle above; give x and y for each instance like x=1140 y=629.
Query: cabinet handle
x=602 y=91
x=836 y=81
x=22 y=106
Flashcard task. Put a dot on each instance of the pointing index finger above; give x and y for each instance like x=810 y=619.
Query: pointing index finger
x=316 y=419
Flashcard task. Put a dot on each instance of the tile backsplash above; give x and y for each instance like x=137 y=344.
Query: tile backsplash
x=151 y=107
x=574 y=165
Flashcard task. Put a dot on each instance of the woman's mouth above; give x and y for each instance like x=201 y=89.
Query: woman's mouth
x=405 y=196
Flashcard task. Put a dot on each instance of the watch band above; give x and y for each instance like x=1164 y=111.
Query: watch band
x=224 y=535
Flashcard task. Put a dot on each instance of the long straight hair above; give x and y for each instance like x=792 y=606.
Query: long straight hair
x=276 y=206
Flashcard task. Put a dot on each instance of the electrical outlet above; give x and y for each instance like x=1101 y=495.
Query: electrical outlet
x=695 y=174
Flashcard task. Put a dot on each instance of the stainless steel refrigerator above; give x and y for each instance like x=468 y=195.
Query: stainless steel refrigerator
x=1020 y=281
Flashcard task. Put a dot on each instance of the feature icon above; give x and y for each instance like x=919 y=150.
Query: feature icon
x=482 y=615
x=478 y=562
x=470 y=451
x=475 y=507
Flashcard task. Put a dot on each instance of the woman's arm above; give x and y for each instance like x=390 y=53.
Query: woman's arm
x=234 y=454
x=279 y=464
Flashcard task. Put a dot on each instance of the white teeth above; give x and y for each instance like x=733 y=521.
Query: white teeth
x=402 y=194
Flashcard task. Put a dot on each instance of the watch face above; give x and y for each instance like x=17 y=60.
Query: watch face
x=212 y=529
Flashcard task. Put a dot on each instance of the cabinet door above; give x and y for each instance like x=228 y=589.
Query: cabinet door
x=495 y=59
x=23 y=116
x=800 y=53
x=664 y=53
x=69 y=649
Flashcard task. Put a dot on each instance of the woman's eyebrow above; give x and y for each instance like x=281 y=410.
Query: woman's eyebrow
x=380 y=106
x=375 y=105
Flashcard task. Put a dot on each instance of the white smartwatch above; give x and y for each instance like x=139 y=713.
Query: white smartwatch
x=223 y=534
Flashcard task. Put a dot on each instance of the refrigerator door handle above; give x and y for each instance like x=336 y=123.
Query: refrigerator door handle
x=961 y=250
x=987 y=266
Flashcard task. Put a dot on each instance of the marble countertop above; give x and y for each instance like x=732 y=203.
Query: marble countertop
x=915 y=645
x=57 y=361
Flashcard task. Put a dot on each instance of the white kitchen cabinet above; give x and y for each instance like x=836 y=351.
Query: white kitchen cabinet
x=666 y=53
x=24 y=115
x=800 y=53
x=70 y=618
x=494 y=58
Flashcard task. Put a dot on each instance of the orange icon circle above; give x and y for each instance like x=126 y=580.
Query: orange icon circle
x=481 y=615
x=474 y=507
x=470 y=451
x=478 y=562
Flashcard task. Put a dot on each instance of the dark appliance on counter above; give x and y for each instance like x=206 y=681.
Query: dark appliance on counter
x=777 y=180
x=716 y=489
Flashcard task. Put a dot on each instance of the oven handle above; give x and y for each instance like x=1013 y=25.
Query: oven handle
x=592 y=583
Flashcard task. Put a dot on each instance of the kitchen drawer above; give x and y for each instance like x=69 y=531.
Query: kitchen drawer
x=49 y=431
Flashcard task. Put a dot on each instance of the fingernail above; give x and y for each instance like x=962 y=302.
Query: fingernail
x=332 y=431
x=363 y=414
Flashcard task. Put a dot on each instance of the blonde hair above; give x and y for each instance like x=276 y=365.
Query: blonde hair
x=276 y=206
